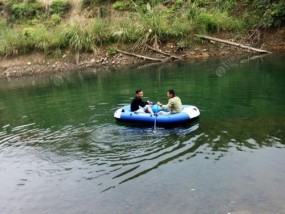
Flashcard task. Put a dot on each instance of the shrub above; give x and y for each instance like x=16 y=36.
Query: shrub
x=215 y=21
x=79 y=39
x=59 y=7
x=127 y=30
x=13 y=43
x=100 y=32
x=180 y=28
x=37 y=37
x=119 y=5
x=55 y=19
x=111 y=51
x=270 y=13
x=154 y=19
x=25 y=10
x=89 y=3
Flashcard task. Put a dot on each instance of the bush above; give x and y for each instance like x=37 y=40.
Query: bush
x=79 y=39
x=59 y=7
x=100 y=32
x=180 y=28
x=213 y=21
x=2 y=5
x=154 y=19
x=55 y=19
x=118 y=5
x=37 y=38
x=14 y=43
x=127 y=30
x=89 y=3
x=26 y=10
x=270 y=13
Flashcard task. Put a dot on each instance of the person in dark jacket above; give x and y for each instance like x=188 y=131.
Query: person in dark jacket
x=140 y=106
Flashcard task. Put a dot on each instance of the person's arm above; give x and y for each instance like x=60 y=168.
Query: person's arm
x=168 y=105
x=142 y=103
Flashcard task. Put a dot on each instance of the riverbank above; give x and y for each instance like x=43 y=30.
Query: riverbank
x=39 y=63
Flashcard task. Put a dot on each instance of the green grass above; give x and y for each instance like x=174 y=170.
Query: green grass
x=30 y=26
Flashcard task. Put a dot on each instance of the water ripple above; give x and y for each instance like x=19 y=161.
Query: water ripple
x=112 y=154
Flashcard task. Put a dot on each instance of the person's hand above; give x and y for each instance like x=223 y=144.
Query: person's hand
x=150 y=103
x=158 y=103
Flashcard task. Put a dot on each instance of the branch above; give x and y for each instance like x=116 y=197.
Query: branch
x=140 y=56
x=233 y=43
x=166 y=54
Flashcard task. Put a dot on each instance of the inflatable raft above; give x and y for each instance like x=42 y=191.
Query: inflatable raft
x=188 y=113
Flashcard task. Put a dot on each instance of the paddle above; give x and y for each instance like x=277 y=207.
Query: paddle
x=154 y=125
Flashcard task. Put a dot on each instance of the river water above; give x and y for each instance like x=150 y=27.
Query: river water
x=61 y=151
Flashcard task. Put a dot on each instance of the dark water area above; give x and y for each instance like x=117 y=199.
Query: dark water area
x=61 y=150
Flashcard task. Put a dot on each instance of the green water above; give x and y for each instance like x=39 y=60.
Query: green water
x=61 y=151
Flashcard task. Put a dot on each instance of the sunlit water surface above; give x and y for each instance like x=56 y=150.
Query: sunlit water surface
x=61 y=151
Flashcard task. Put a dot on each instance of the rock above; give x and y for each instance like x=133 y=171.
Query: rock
x=92 y=61
x=29 y=63
x=7 y=74
x=64 y=56
x=205 y=54
x=118 y=33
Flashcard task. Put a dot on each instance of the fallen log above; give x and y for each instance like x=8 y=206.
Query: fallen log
x=232 y=43
x=164 y=53
x=140 y=56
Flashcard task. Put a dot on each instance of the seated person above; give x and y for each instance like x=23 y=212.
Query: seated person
x=138 y=105
x=174 y=103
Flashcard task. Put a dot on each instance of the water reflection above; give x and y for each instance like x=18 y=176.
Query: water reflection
x=62 y=134
x=117 y=154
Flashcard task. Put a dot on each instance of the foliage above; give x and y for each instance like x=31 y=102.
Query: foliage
x=25 y=10
x=111 y=51
x=79 y=39
x=59 y=7
x=216 y=21
x=153 y=22
x=55 y=19
x=92 y=3
x=270 y=13
x=100 y=32
x=127 y=30
x=119 y=5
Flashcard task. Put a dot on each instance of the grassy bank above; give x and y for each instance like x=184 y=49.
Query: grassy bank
x=29 y=25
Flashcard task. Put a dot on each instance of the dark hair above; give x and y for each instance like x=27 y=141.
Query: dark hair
x=138 y=91
x=171 y=91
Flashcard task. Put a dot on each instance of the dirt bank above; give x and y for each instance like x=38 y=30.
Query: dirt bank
x=37 y=63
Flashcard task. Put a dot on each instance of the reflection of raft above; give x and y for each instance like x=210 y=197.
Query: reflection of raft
x=189 y=113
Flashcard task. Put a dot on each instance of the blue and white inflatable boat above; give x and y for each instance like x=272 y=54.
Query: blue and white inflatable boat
x=188 y=113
